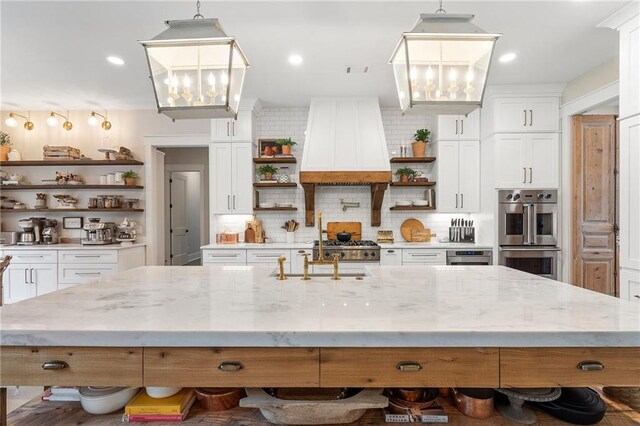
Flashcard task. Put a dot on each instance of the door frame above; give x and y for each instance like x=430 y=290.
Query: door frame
x=177 y=168
x=598 y=97
x=154 y=188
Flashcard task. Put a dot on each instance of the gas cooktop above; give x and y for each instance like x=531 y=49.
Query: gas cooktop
x=349 y=251
x=350 y=244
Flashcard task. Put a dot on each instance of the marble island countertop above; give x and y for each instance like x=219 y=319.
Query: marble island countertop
x=244 y=306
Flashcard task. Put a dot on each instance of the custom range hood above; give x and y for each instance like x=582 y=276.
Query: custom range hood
x=345 y=145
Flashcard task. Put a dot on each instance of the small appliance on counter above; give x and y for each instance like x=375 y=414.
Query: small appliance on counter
x=31 y=231
x=98 y=233
x=126 y=232
x=462 y=231
x=9 y=237
x=50 y=232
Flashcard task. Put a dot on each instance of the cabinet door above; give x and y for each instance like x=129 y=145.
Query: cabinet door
x=297 y=260
x=510 y=159
x=630 y=68
x=390 y=257
x=470 y=126
x=221 y=130
x=511 y=115
x=44 y=277
x=242 y=181
x=448 y=198
x=544 y=115
x=543 y=153
x=220 y=177
x=469 y=176
x=448 y=127
x=629 y=190
x=17 y=283
x=242 y=128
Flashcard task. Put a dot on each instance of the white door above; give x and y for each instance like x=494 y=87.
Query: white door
x=221 y=130
x=44 y=277
x=220 y=176
x=242 y=172
x=448 y=127
x=629 y=190
x=469 y=176
x=511 y=161
x=543 y=153
x=17 y=283
x=448 y=197
x=178 y=205
x=544 y=115
x=241 y=129
x=470 y=126
x=511 y=115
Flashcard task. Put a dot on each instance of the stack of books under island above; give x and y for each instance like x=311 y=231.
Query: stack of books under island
x=143 y=408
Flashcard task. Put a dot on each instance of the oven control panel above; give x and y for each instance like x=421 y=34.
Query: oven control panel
x=525 y=196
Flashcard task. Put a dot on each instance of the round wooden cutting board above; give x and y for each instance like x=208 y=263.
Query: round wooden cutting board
x=409 y=225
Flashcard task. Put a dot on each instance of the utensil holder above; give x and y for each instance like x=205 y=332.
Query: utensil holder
x=462 y=234
x=291 y=237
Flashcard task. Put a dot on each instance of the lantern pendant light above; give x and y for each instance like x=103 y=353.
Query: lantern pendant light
x=441 y=65
x=196 y=69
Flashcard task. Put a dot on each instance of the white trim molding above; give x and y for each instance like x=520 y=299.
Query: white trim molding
x=621 y=16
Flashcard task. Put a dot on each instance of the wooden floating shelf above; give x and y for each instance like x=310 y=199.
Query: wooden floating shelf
x=275 y=209
x=413 y=183
x=275 y=185
x=274 y=160
x=397 y=208
x=70 y=210
x=71 y=163
x=69 y=187
x=413 y=159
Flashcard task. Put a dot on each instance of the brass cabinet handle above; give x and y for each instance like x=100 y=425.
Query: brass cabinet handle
x=230 y=366
x=591 y=366
x=55 y=365
x=409 y=366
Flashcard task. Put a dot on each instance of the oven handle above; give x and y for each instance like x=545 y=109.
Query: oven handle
x=529 y=211
x=529 y=248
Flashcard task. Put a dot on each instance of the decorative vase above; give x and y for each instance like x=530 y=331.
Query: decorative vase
x=286 y=150
x=15 y=155
x=419 y=148
x=129 y=181
x=291 y=237
x=404 y=178
x=4 y=152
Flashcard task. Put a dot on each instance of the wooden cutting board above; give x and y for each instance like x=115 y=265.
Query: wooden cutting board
x=355 y=228
x=409 y=225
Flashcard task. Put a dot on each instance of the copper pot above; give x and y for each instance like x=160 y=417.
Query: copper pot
x=476 y=403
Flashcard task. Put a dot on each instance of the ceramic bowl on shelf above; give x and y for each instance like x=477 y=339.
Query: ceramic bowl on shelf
x=420 y=203
x=403 y=203
x=267 y=205
x=162 y=391
x=285 y=205
x=105 y=400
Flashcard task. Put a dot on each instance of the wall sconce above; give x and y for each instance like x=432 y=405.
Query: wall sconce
x=93 y=120
x=12 y=122
x=53 y=121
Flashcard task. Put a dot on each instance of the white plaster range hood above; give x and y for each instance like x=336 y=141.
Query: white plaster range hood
x=345 y=145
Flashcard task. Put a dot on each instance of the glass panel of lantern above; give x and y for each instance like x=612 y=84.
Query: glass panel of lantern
x=400 y=71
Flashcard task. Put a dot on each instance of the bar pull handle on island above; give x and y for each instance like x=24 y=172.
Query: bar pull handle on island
x=230 y=366
x=591 y=366
x=409 y=366
x=55 y=365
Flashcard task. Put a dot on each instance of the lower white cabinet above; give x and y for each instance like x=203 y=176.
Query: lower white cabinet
x=390 y=257
x=25 y=280
x=269 y=258
x=297 y=260
x=424 y=257
x=224 y=257
x=630 y=285
x=81 y=273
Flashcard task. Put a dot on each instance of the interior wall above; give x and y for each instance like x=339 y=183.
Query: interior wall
x=592 y=80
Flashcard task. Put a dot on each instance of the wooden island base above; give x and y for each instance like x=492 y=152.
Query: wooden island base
x=66 y=413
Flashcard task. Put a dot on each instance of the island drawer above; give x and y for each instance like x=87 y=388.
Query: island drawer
x=409 y=367
x=32 y=256
x=81 y=273
x=231 y=367
x=88 y=256
x=569 y=367
x=424 y=256
x=70 y=366
x=267 y=256
x=224 y=256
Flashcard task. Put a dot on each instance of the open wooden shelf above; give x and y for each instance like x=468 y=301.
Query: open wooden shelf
x=70 y=210
x=397 y=208
x=275 y=209
x=68 y=187
x=413 y=183
x=275 y=185
x=275 y=160
x=413 y=159
x=71 y=163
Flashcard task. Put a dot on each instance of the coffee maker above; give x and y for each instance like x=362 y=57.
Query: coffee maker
x=99 y=233
x=50 y=232
x=31 y=231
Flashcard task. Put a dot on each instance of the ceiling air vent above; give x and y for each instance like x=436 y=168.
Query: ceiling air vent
x=357 y=69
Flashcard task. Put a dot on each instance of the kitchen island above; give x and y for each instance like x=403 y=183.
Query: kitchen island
x=481 y=326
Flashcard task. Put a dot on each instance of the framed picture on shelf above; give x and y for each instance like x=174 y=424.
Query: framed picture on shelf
x=268 y=148
x=72 y=222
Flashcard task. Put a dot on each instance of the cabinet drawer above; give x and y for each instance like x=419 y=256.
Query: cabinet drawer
x=414 y=367
x=634 y=292
x=234 y=367
x=76 y=274
x=84 y=366
x=32 y=256
x=542 y=367
x=424 y=256
x=267 y=256
x=237 y=257
x=88 y=256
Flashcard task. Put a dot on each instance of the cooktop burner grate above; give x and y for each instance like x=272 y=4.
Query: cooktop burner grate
x=352 y=243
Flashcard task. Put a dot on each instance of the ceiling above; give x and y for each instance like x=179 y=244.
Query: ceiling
x=53 y=52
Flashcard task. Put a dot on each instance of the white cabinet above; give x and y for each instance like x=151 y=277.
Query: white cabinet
x=458 y=176
x=424 y=257
x=526 y=114
x=527 y=160
x=228 y=129
x=25 y=280
x=269 y=258
x=630 y=67
x=630 y=285
x=231 y=178
x=390 y=257
x=297 y=260
x=459 y=127
x=224 y=257
x=629 y=193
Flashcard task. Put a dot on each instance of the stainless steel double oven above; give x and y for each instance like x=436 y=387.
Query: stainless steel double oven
x=528 y=231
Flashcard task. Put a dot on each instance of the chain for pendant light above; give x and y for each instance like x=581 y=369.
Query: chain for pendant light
x=198 y=15
x=440 y=9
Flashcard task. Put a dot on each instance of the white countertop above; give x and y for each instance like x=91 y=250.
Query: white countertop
x=309 y=245
x=70 y=247
x=242 y=306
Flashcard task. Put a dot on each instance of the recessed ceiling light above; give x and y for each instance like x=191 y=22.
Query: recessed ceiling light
x=115 y=60
x=295 y=59
x=507 y=57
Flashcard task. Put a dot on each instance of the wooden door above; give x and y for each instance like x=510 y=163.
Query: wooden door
x=594 y=203
x=178 y=205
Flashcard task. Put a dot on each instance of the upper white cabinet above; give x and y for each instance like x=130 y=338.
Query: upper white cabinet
x=458 y=176
x=526 y=160
x=231 y=178
x=459 y=127
x=227 y=130
x=629 y=190
x=630 y=67
x=531 y=114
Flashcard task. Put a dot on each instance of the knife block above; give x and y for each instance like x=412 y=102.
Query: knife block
x=462 y=234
